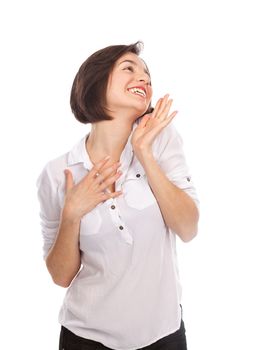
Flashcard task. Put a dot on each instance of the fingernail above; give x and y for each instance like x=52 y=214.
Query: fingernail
x=107 y=157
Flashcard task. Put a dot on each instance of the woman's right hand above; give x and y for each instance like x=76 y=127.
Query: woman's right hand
x=88 y=192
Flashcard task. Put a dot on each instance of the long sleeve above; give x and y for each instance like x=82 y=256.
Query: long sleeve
x=47 y=192
x=172 y=160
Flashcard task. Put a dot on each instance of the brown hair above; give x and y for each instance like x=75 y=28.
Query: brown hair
x=88 y=94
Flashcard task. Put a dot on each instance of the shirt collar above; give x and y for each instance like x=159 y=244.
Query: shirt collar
x=79 y=154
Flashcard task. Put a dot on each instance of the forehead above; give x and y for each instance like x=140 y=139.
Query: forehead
x=132 y=57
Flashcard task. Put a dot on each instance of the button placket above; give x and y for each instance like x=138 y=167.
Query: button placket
x=120 y=181
x=126 y=160
x=116 y=218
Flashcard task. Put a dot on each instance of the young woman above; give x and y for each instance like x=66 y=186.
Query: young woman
x=111 y=209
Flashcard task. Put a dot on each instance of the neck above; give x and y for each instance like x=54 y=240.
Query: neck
x=108 y=138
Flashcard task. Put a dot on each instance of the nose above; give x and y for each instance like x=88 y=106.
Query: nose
x=144 y=77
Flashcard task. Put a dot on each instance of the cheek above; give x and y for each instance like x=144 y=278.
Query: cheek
x=114 y=96
x=151 y=93
x=149 y=100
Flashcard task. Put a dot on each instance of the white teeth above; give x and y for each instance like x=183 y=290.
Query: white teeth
x=138 y=91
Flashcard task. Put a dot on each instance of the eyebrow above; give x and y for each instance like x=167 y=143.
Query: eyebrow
x=134 y=63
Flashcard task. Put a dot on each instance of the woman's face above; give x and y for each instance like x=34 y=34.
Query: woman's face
x=129 y=86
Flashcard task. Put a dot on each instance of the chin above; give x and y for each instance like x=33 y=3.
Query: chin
x=140 y=108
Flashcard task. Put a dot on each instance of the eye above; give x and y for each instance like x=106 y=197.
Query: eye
x=129 y=68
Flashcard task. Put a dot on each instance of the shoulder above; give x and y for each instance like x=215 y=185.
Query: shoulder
x=53 y=171
x=171 y=133
x=168 y=140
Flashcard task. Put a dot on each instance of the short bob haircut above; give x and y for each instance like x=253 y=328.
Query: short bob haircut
x=88 y=93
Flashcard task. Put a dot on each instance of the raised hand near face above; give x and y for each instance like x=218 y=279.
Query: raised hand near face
x=151 y=125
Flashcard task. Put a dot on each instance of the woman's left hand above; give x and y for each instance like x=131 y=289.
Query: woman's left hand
x=151 y=125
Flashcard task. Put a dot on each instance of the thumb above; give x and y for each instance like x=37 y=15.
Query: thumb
x=68 y=180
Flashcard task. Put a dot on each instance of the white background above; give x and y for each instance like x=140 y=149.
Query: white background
x=204 y=53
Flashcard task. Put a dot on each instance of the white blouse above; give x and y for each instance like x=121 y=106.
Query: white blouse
x=127 y=294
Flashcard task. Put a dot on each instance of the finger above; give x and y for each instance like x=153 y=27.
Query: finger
x=106 y=172
x=68 y=180
x=115 y=194
x=156 y=130
x=156 y=109
x=98 y=166
x=169 y=118
x=163 y=105
x=106 y=195
x=172 y=115
x=165 y=111
x=104 y=184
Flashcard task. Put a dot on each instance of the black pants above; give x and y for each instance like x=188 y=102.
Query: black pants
x=70 y=341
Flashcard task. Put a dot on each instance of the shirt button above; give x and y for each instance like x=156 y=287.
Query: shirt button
x=138 y=175
x=113 y=206
x=121 y=227
x=188 y=179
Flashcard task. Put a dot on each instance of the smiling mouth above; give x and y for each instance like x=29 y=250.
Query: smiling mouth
x=138 y=91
